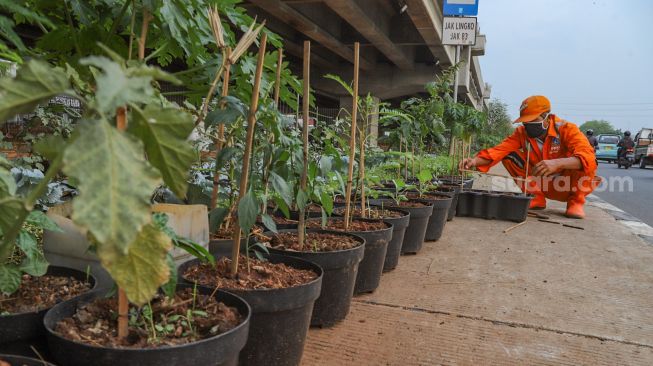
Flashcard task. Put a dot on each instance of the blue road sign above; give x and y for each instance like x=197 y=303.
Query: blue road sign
x=460 y=7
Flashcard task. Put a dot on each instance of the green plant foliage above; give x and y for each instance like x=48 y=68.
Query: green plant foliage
x=113 y=203
x=164 y=131
x=10 y=277
x=36 y=83
x=248 y=210
x=143 y=268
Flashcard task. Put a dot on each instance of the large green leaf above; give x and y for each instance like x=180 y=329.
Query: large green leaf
x=247 y=211
x=7 y=183
x=11 y=208
x=36 y=266
x=26 y=241
x=41 y=220
x=143 y=268
x=281 y=187
x=165 y=131
x=114 y=180
x=115 y=88
x=10 y=277
x=36 y=82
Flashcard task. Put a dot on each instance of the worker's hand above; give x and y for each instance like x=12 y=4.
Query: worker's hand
x=546 y=167
x=467 y=164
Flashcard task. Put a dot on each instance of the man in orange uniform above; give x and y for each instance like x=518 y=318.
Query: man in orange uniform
x=561 y=166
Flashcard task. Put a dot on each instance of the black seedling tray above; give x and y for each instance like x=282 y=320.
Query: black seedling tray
x=493 y=205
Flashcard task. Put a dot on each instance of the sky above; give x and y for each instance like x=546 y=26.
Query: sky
x=593 y=59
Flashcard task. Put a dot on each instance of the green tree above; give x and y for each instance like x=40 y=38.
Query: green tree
x=599 y=126
x=498 y=125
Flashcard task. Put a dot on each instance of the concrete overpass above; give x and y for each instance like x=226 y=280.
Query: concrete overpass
x=401 y=45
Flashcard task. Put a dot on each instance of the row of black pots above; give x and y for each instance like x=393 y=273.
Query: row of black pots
x=493 y=205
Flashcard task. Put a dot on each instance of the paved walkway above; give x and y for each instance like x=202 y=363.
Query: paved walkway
x=540 y=294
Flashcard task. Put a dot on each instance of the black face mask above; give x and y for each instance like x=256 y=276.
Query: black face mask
x=534 y=129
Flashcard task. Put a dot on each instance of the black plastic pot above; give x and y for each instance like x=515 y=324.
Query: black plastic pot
x=371 y=267
x=20 y=331
x=280 y=317
x=222 y=247
x=340 y=271
x=221 y=349
x=399 y=225
x=23 y=361
x=416 y=230
x=453 y=191
x=438 y=218
x=493 y=205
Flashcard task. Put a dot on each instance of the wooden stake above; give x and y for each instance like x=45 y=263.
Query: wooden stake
x=514 y=226
x=251 y=124
x=219 y=141
x=301 y=228
x=352 y=136
x=123 y=303
x=141 y=42
x=361 y=165
x=413 y=161
x=277 y=84
x=493 y=175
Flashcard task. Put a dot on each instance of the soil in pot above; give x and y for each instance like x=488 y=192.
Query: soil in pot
x=281 y=292
x=95 y=323
x=220 y=243
x=280 y=221
x=420 y=212
x=339 y=255
x=199 y=326
x=21 y=313
x=377 y=235
x=13 y=360
x=441 y=204
x=399 y=220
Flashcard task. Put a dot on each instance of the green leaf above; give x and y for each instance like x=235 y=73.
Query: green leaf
x=7 y=183
x=115 y=88
x=228 y=111
x=164 y=132
x=143 y=268
x=26 y=241
x=326 y=202
x=302 y=199
x=41 y=220
x=36 y=266
x=170 y=287
x=10 y=277
x=283 y=206
x=11 y=208
x=51 y=146
x=424 y=176
x=36 y=82
x=281 y=187
x=216 y=217
x=115 y=183
x=269 y=222
x=247 y=211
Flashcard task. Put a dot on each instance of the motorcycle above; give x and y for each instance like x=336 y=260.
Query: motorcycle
x=626 y=160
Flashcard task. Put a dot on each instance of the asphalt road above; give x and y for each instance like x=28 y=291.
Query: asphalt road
x=639 y=202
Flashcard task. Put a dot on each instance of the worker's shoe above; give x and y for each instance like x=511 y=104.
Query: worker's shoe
x=575 y=210
x=538 y=202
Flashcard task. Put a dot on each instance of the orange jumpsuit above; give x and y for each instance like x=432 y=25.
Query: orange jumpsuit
x=563 y=140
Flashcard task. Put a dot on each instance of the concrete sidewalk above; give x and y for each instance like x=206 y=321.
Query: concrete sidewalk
x=540 y=294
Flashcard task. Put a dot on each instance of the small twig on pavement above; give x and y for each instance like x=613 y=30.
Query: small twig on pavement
x=573 y=226
x=550 y=221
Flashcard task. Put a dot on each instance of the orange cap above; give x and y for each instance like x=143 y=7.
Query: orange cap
x=532 y=107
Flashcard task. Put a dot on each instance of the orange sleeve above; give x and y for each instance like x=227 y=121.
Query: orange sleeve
x=579 y=146
x=497 y=153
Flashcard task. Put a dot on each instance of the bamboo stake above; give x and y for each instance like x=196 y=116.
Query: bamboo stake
x=219 y=141
x=251 y=124
x=406 y=162
x=277 y=84
x=301 y=228
x=141 y=42
x=123 y=303
x=400 y=147
x=361 y=165
x=352 y=137
x=413 y=162
x=528 y=159
x=493 y=174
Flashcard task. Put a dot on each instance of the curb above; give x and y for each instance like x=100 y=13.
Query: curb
x=635 y=225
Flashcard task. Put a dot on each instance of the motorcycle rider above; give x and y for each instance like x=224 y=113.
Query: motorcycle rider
x=624 y=144
x=590 y=137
